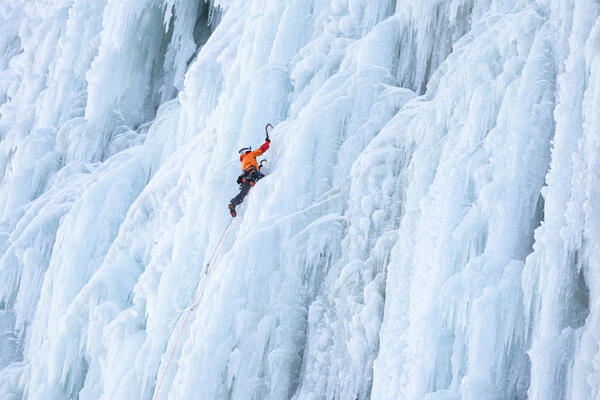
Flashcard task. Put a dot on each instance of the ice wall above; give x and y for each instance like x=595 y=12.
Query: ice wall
x=427 y=228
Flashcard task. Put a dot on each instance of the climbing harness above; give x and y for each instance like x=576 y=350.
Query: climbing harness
x=199 y=289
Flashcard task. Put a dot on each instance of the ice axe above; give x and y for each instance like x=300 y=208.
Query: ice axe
x=267 y=131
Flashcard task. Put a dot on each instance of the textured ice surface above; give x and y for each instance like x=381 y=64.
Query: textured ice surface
x=428 y=227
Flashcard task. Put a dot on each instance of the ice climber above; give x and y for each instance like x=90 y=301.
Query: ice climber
x=250 y=171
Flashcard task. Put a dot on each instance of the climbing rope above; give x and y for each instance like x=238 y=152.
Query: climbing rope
x=199 y=288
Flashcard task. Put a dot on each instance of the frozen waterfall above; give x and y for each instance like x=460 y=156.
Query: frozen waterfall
x=429 y=226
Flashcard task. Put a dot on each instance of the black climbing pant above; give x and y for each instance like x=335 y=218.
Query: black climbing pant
x=246 y=180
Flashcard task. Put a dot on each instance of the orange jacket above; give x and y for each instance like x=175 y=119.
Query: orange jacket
x=249 y=159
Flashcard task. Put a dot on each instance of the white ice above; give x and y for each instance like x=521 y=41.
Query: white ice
x=428 y=227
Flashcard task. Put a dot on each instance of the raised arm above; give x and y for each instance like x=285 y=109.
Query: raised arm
x=261 y=149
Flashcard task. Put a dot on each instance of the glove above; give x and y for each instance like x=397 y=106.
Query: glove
x=268 y=140
x=239 y=179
